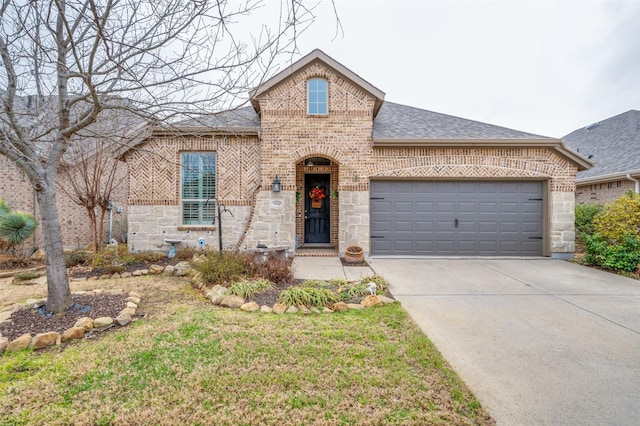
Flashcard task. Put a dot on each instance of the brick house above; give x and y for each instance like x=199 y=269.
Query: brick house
x=352 y=170
x=613 y=145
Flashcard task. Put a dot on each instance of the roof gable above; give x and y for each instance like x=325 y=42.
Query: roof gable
x=317 y=55
x=612 y=144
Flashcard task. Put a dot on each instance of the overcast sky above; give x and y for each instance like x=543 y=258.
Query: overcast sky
x=546 y=67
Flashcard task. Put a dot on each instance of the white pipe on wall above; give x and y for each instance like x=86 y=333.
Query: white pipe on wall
x=636 y=181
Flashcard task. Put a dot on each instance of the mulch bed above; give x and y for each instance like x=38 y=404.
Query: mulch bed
x=30 y=321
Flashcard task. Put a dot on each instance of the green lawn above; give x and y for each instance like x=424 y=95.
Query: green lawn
x=193 y=363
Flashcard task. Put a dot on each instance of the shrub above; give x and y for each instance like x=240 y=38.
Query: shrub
x=148 y=257
x=307 y=296
x=619 y=218
x=247 y=289
x=223 y=267
x=617 y=255
x=585 y=213
x=77 y=257
x=113 y=258
x=274 y=268
x=27 y=276
x=318 y=284
x=186 y=252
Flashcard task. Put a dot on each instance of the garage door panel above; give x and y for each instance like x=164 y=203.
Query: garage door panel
x=493 y=218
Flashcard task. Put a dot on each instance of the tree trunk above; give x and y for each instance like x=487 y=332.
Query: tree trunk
x=94 y=227
x=58 y=291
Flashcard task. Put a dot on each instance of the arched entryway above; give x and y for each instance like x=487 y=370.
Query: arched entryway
x=317 y=202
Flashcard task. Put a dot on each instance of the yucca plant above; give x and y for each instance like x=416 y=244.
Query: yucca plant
x=15 y=228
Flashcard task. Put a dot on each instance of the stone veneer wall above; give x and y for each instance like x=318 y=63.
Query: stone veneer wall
x=562 y=226
x=603 y=192
x=153 y=224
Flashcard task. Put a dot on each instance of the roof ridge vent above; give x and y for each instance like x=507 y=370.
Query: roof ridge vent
x=591 y=126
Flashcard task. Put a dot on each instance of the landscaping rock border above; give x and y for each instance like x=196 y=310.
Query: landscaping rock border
x=83 y=328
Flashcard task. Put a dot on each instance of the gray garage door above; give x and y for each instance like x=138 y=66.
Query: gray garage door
x=456 y=218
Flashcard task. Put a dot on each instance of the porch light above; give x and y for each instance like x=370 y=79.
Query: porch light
x=275 y=185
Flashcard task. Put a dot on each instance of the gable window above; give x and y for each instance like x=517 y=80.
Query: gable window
x=198 y=187
x=317 y=96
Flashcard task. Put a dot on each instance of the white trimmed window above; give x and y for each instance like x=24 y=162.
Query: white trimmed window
x=317 y=96
x=198 y=188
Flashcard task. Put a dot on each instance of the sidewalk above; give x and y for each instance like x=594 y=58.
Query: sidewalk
x=326 y=268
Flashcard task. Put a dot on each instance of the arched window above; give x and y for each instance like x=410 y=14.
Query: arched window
x=317 y=96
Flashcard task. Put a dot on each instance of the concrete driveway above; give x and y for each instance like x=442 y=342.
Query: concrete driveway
x=540 y=342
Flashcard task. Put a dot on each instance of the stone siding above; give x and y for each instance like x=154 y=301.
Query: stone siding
x=149 y=226
x=562 y=226
x=603 y=192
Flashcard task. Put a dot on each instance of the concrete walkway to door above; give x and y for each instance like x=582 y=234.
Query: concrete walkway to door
x=539 y=341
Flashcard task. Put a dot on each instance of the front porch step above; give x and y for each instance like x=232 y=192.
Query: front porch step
x=317 y=252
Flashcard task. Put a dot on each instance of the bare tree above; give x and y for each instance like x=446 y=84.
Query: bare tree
x=65 y=63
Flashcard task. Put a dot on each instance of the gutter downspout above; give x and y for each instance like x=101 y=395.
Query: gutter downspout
x=636 y=181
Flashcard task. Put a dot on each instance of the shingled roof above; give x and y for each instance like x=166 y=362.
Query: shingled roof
x=395 y=121
x=612 y=144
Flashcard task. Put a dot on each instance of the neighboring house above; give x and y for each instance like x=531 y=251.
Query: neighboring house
x=614 y=146
x=393 y=179
x=75 y=224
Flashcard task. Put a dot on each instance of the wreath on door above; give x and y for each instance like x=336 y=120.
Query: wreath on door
x=317 y=194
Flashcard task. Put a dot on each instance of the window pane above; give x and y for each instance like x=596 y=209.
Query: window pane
x=198 y=187
x=317 y=95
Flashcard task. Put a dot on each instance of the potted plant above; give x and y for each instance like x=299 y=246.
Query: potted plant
x=354 y=254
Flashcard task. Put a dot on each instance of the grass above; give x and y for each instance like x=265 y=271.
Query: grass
x=192 y=363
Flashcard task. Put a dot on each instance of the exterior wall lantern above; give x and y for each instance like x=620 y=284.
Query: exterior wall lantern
x=275 y=185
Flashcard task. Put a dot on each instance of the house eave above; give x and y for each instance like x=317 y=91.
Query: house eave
x=610 y=177
x=556 y=144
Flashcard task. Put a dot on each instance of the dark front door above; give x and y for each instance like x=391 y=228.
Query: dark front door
x=316 y=209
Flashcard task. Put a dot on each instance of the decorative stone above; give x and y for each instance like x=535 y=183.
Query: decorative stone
x=265 y=309
x=339 y=307
x=76 y=279
x=31 y=302
x=126 y=275
x=156 y=269
x=216 y=294
x=115 y=276
x=84 y=322
x=137 y=273
x=387 y=300
x=19 y=344
x=144 y=271
x=115 y=291
x=104 y=277
x=134 y=294
x=232 y=301
x=92 y=278
x=355 y=306
x=315 y=310
x=292 y=310
x=4 y=342
x=98 y=291
x=198 y=258
x=279 y=308
x=42 y=340
x=250 y=307
x=128 y=311
x=371 y=300
x=5 y=315
x=133 y=299
x=168 y=270
x=303 y=309
x=73 y=333
x=123 y=319
x=132 y=305
x=102 y=322
x=79 y=293
x=182 y=269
